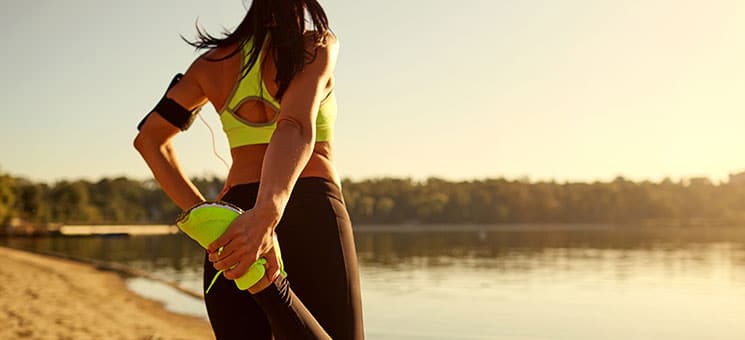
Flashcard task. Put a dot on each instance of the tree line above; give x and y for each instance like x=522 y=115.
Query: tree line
x=396 y=201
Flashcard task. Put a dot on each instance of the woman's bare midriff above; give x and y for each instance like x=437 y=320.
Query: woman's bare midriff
x=248 y=160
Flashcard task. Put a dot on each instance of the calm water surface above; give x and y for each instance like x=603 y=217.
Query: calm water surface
x=530 y=282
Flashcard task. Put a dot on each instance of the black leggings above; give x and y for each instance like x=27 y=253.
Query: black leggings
x=315 y=235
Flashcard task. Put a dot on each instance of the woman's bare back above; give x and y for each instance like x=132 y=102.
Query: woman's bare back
x=217 y=79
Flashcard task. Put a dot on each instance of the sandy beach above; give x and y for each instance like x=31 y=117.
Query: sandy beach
x=48 y=298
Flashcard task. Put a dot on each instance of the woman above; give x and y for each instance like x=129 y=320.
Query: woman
x=271 y=80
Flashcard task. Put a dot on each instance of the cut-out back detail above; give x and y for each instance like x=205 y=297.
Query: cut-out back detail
x=252 y=89
x=258 y=106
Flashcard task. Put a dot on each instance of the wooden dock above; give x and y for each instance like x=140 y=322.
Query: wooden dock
x=83 y=230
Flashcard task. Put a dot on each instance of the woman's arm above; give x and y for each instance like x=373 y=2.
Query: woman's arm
x=293 y=140
x=289 y=150
x=154 y=144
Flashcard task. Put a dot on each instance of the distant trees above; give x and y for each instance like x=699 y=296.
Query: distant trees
x=397 y=200
x=7 y=198
x=489 y=201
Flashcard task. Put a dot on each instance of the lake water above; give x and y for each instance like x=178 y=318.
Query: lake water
x=518 y=282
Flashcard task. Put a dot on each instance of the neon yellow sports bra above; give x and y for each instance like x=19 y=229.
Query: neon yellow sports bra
x=241 y=132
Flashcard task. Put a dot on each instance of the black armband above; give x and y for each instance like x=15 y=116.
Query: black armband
x=172 y=111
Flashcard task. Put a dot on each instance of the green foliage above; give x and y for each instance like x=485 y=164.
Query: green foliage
x=7 y=198
x=395 y=201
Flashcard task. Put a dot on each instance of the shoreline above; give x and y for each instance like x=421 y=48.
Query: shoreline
x=59 y=297
x=123 y=271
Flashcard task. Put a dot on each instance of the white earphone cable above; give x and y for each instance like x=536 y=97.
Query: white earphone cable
x=214 y=146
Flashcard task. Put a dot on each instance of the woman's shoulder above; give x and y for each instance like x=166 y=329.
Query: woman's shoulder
x=316 y=39
x=323 y=46
x=221 y=53
x=210 y=61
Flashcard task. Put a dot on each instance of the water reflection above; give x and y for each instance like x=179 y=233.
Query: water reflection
x=522 y=250
x=507 y=282
x=502 y=250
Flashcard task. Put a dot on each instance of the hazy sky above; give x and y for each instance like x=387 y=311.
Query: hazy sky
x=571 y=90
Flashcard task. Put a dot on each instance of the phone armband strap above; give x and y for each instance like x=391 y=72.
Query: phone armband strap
x=172 y=111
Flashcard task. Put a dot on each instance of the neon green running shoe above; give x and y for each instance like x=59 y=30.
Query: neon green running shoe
x=207 y=221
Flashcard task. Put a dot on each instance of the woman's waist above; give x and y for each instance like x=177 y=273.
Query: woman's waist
x=238 y=177
x=248 y=162
x=306 y=188
x=249 y=173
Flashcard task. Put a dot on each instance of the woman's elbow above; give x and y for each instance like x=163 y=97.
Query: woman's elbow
x=140 y=142
x=306 y=130
x=144 y=143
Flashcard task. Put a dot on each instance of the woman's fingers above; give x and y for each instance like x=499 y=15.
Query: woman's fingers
x=238 y=243
x=223 y=240
x=236 y=229
x=219 y=254
x=239 y=247
x=239 y=270
x=227 y=261
x=271 y=272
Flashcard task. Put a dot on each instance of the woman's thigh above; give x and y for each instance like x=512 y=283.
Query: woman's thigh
x=233 y=313
x=320 y=259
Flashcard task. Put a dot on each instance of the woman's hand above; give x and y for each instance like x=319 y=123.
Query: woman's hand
x=248 y=238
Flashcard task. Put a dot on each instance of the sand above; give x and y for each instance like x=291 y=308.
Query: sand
x=48 y=298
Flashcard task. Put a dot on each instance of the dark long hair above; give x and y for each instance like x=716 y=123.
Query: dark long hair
x=284 y=21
